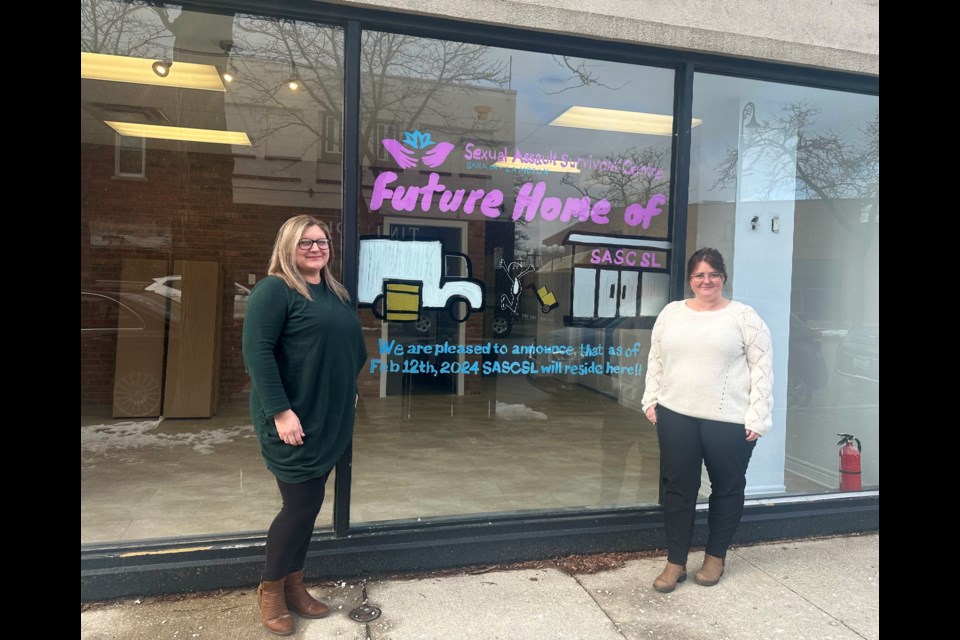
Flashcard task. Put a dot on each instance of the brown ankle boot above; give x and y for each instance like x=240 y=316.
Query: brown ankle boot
x=299 y=599
x=668 y=579
x=273 y=608
x=710 y=572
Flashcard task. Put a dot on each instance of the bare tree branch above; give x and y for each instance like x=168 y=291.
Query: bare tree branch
x=119 y=28
x=581 y=75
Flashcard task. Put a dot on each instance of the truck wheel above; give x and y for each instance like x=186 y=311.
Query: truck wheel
x=378 y=307
x=459 y=308
x=501 y=326
x=423 y=323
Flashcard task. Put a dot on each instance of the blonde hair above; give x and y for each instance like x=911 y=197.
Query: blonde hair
x=283 y=260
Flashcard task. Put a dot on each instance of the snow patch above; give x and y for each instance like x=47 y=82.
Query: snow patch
x=105 y=438
x=518 y=412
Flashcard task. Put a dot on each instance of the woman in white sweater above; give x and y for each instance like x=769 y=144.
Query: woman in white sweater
x=709 y=394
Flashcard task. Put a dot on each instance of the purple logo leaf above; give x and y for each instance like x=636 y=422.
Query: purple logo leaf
x=401 y=155
x=435 y=157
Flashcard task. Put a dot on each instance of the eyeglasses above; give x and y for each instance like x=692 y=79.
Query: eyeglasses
x=307 y=243
x=700 y=277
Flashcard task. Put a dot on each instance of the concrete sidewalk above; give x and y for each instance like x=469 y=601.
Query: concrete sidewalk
x=818 y=589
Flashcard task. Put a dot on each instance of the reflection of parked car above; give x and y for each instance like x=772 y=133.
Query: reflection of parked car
x=138 y=322
x=858 y=355
x=240 y=296
x=102 y=313
x=167 y=286
x=806 y=371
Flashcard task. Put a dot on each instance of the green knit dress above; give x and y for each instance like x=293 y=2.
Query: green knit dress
x=303 y=355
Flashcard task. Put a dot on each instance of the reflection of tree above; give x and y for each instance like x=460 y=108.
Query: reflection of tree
x=831 y=166
x=407 y=78
x=404 y=79
x=646 y=176
x=269 y=49
x=581 y=74
x=122 y=28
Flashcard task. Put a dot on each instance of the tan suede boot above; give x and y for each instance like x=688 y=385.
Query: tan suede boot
x=710 y=572
x=668 y=579
x=299 y=599
x=273 y=608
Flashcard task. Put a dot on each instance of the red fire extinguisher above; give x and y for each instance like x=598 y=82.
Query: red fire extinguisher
x=849 y=462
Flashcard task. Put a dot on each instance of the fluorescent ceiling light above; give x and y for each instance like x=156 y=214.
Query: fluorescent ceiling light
x=185 y=75
x=615 y=120
x=215 y=136
x=513 y=163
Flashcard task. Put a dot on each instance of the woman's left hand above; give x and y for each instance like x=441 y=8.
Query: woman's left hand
x=751 y=435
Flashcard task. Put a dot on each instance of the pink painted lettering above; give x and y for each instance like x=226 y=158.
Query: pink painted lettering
x=638 y=214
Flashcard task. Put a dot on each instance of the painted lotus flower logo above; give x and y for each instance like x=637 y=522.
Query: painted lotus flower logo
x=407 y=158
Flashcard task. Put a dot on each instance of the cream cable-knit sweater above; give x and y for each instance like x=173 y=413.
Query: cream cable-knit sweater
x=716 y=365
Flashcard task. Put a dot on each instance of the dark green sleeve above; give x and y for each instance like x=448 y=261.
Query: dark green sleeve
x=361 y=353
x=262 y=326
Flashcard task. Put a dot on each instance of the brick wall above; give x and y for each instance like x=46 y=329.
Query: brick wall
x=183 y=210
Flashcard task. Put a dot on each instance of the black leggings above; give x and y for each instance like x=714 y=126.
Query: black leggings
x=685 y=444
x=289 y=535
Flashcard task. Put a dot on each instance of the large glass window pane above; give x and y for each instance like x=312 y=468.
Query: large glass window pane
x=514 y=254
x=194 y=148
x=785 y=181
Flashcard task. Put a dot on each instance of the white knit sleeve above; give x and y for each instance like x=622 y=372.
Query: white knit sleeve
x=758 y=346
x=654 y=379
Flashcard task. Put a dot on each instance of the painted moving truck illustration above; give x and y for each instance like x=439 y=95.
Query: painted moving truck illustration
x=399 y=278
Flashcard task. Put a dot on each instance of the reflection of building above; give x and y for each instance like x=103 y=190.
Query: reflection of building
x=501 y=455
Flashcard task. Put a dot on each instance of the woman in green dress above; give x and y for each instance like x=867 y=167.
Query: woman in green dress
x=303 y=349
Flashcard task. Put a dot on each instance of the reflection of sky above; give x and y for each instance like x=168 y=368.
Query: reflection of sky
x=546 y=88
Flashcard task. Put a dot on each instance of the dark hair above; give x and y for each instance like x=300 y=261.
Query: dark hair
x=712 y=257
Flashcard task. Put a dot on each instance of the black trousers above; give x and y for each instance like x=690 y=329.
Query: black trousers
x=290 y=532
x=685 y=443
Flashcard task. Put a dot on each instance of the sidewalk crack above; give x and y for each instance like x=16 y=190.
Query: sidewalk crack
x=600 y=606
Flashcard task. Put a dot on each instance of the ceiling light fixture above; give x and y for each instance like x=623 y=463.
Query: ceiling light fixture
x=617 y=120
x=551 y=166
x=162 y=67
x=230 y=71
x=100 y=66
x=214 y=136
x=294 y=82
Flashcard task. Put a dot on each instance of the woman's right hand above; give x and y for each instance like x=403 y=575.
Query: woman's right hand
x=289 y=428
x=651 y=414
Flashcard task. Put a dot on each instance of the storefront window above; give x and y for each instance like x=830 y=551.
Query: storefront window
x=193 y=150
x=516 y=242
x=514 y=253
x=785 y=182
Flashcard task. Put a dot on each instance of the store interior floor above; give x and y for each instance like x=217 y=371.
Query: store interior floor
x=514 y=448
